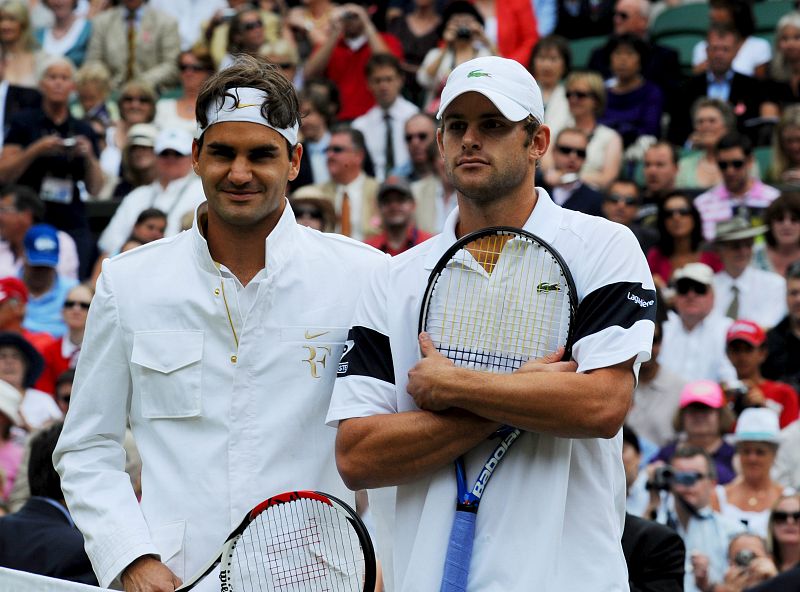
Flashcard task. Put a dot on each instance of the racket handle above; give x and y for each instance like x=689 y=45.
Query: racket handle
x=459 y=552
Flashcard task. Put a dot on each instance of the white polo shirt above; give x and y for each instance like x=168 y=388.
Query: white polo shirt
x=552 y=518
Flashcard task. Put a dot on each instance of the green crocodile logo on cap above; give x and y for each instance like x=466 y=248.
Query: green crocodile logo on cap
x=478 y=74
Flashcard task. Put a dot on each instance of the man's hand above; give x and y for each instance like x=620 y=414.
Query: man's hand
x=700 y=565
x=148 y=574
x=550 y=363
x=427 y=376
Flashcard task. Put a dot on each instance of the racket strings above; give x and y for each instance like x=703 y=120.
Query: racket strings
x=300 y=546
x=498 y=304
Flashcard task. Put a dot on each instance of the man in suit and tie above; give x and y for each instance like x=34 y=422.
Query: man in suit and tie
x=134 y=40
x=351 y=190
x=743 y=93
x=563 y=183
x=14 y=99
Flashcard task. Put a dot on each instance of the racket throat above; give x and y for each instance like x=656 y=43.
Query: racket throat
x=467 y=507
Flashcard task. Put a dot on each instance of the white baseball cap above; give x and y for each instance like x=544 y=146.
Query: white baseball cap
x=506 y=83
x=175 y=139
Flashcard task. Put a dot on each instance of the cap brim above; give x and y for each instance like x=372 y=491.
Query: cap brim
x=510 y=109
x=744 y=233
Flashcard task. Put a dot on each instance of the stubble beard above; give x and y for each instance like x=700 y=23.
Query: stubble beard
x=499 y=185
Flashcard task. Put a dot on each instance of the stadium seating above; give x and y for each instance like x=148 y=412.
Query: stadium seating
x=769 y=13
x=683 y=19
x=582 y=50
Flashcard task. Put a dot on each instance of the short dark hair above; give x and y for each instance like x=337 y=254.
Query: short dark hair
x=666 y=243
x=742 y=18
x=734 y=140
x=66 y=377
x=356 y=137
x=25 y=200
x=629 y=436
x=673 y=149
x=319 y=104
x=785 y=203
x=631 y=41
x=722 y=30
x=281 y=108
x=42 y=476
x=149 y=214
x=556 y=42
x=382 y=60
x=691 y=452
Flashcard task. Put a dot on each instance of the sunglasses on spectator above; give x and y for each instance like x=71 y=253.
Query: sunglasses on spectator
x=578 y=94
x=64 y=399
x=420 y=136
x=684 y=286
x=724 y=165
x=628 y=201
x=308 y=212
x=336 y=149
x=191 y=68
x=74 y=303
x=135 y=99
x=286 y=65
x=781 y=517
x=678 y=212
x=252 y=25
x=623 y=16
x=567 y=150
x=687 y=478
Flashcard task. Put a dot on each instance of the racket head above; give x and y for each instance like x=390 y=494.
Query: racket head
x=299 y=541
x=497 y=298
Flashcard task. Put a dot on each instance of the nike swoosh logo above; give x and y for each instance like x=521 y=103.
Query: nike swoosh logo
x=315 y=335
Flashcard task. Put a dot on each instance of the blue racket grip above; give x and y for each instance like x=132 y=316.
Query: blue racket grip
x=459 y=552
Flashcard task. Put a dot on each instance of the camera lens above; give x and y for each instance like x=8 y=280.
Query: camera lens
x=463 y=33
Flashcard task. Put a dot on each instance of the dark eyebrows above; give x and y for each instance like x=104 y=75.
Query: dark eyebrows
x=261 y=150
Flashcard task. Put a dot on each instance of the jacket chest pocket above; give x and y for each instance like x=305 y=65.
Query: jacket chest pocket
x=167 y=373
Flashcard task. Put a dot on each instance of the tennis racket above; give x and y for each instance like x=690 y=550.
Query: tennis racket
x=299 y=541
x=496 y=299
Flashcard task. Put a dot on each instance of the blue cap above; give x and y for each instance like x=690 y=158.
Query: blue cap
x=41 y=245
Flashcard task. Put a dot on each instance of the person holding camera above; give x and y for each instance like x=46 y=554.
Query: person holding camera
x=684 y=490
x=463 y=38
x=749 y=564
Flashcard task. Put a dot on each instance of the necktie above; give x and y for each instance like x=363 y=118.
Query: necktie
x=131 y=18
x=733 y=307
x=345 y=215
x=389 y=143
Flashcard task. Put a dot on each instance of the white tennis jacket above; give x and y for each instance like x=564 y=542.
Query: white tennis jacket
x=219 y=426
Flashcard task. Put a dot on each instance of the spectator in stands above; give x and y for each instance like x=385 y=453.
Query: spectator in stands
x=194 y=67
x=63 y=353
x=149 y=55
x=137 y=104
x=740 y=194
x=706 y=533
x=743 y=291
x=13 y=98
x=352 y=192
x=634 y=104
x=20 y=366
x=11 y=450
x=783 y=341
x=621 y=205
x=310 y=23
x=434 y=194
x=352 y=39
x=216 y=31
x=20 y=209
x=312 y=209
x=464 y=38
x=747 y=350
x=751 y=495
x=150 y=225
x=418 y=33
x=420 y=135
x=694 y=336
x=513 y=29
x=69 y=34
x=680 y=239
x=315 y=135
x=660 y=172
x=712 y=120
x=64 y=389
x=749 y=563
x=56 y=155
x=551 y=61
x=587 y=101
x=13 y=303
x=93 y=88
x=41 y=537
x=396 y=208
x=720 y=81
x=753 y=54
x=785 y=167
x=783 y=535
x=176 y=191
x=782 y=218
x=563 y=182
x=787 y=462
x=656 y=399
x=636 y=495
x=283 y=54
x=245 y=34
x=46 y=288
x=138 y=163
x=22 y=56
x=785 y=67
x=383 y=125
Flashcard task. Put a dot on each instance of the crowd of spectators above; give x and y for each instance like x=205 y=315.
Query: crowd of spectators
x=697 y=151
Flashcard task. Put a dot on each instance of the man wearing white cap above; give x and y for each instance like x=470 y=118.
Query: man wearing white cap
x=552 y=517
x=218 y=345
x=176 y=190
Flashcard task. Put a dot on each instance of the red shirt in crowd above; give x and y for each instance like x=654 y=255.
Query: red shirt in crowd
x=783 y=399
x=414 y=237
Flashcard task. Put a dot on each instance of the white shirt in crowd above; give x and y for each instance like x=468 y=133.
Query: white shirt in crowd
x=176 y=199
x=754 y=52
x=38 y=408
x=373 y=126
x=762 y=296
x=570 y=492
x=700 y=353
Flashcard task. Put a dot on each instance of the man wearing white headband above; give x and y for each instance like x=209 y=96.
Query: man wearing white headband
x=552 y=517
x=218 y=346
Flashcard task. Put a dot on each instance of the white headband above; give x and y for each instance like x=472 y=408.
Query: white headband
x=245 y=105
